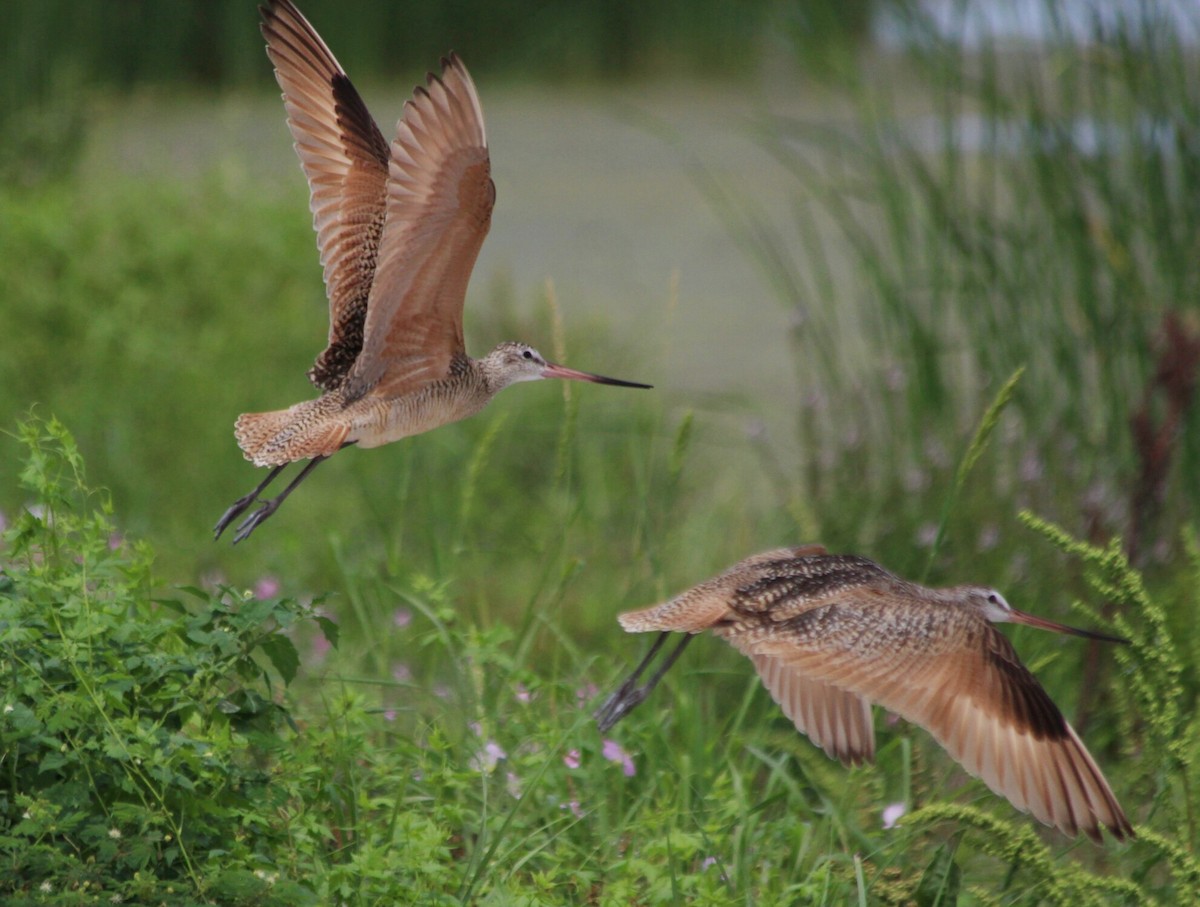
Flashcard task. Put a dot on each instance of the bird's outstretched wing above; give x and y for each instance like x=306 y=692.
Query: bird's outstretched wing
x=965 y=685
x=345 y=158
x=439 y=207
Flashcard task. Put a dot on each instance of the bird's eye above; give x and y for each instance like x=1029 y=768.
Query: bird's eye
x=528 y=354
x=993 y=598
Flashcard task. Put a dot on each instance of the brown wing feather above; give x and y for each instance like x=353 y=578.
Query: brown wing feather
x=702 y=606
x=345 y=159
x=439 y=208
x=835 y=720
x=782 y=589
x=951 y=672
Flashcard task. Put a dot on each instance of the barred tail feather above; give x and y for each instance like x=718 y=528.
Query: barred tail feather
x=299 y=432
x=682 y=614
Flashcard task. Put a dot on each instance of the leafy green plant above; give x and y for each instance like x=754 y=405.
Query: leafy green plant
x=136 y=733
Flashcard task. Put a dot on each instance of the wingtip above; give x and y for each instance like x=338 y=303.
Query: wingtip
x=1121 y=831
x=448 y=63
x=267 y=14
x=269 y=11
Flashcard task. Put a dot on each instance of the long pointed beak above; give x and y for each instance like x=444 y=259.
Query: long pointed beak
x=1020 y=617
x=554 y=370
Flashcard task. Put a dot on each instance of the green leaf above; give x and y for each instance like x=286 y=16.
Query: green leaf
x=283 y=655
x=329 y=629
x=987 y=424
x=52 y=762
x=257 y=610
x=940 y=882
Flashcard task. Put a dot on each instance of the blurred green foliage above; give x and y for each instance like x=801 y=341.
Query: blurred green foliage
x=1036 y=206
x=58 y=58
x=216 y=42
x=150 y=315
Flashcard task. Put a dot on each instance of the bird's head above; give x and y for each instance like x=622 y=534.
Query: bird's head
x=511 y=362
x=993 y=606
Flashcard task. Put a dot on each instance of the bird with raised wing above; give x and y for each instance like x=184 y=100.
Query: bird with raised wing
x=398 y=228
x=832 y=634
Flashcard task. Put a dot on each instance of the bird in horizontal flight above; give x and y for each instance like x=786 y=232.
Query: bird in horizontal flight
x=833 y=634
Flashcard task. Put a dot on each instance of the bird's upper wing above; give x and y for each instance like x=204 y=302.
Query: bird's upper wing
x=957 y=676
x=707 y=604
x=439 y=207
x=345 y=158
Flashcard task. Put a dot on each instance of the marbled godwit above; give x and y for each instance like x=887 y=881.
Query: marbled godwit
x=398 y=230
x=830 y=634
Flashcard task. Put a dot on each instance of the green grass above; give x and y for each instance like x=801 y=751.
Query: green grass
x=444 y=750
x=443 y=754
x=1060 y=239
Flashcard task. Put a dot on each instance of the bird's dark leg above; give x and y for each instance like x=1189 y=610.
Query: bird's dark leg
x=239 y=506
x=267 y=508
x=628 y=696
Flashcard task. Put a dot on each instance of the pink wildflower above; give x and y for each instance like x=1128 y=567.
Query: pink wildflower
x=586 y=694
x=571 y=759
x=574 y=807
x=266 y=587
x=485 y=760
x=614 y=753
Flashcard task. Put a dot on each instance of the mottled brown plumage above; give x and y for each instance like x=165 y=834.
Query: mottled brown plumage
x=398 y=229
x=832 y=634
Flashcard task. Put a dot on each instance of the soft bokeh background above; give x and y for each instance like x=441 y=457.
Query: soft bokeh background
x=700 y=183
x=827 y=233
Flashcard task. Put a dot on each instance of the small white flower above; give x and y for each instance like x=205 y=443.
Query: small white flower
x=485 y=760
x=114 y=833
x=892 y=813
x=45 y=888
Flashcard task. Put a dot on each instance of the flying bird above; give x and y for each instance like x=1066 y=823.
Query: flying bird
x=398 y=228
x=832 y=634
